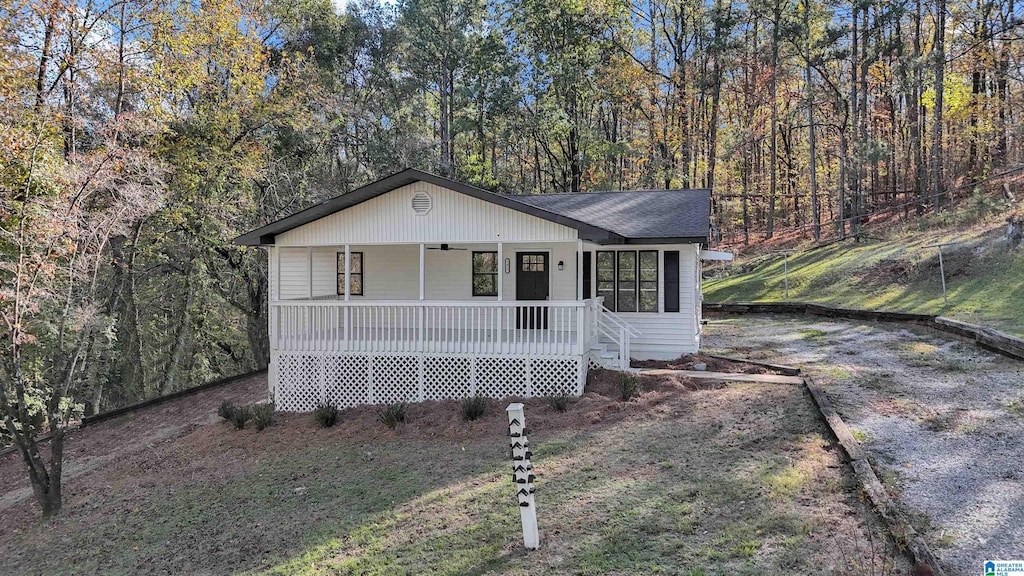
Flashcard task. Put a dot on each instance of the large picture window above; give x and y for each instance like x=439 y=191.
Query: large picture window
x=356 y=283
x=628 y=280
x=485 y=273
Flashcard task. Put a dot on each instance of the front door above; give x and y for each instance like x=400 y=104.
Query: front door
x=532 y=284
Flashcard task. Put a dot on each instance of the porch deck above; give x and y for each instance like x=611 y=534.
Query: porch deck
x=370 y=352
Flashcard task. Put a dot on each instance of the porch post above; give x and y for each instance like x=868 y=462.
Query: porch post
x=348 y=267
x=422 y=274
x=501 y=270
x=309 y=259
x=579 y=269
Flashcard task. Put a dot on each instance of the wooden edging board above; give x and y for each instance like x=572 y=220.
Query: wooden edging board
x=898 y=525
x=730 y=376
x=90 y=420
x=987 y=338
x=780 y=368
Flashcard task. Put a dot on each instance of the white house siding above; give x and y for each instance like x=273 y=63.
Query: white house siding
x=664 y=335
x=293 y=267
x=454 y=217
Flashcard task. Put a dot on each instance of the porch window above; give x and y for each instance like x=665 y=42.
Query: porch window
x=485 y=273
x=356 y=283
x=628 y=280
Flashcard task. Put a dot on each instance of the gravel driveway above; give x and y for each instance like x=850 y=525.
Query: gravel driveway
x=942 y=420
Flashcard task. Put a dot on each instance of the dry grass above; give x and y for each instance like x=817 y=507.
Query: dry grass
x=684 y=480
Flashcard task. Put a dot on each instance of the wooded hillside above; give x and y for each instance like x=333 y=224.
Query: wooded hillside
x=138 y=138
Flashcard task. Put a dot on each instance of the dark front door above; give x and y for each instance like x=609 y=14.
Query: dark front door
x=532 y=284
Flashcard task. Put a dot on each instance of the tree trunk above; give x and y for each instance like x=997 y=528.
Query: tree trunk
x=773 y=144
x=915 y=113
x=812 y=155
x=939 y=62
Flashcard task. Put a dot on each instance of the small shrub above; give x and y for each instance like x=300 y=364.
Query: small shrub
x=559 y=402
x=473 y=407
x=393 y=414
x=630 y=386
x=326 y=415
x=226 y=410
x=240 y=416
x=262 y=415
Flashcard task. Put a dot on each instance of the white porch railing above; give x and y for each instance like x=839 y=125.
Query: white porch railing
x=538 y=328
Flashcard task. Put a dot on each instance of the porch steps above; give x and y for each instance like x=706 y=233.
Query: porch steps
x=605 y=357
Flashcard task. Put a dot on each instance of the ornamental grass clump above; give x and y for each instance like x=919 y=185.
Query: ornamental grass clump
x=240 y=416
x=473 y=407
x=226 y=410
x=393 y=414
x=559 y=402
x=326 y=415
x=629 y=384
x=262 y=415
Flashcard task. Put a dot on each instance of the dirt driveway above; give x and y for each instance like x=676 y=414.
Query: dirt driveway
x=942 y=420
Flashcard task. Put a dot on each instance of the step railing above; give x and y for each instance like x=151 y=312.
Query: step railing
x=613 y=327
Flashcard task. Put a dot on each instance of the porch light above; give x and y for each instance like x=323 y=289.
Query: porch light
x=561 y=265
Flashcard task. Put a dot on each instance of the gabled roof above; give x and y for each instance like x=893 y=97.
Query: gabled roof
x=669 y=216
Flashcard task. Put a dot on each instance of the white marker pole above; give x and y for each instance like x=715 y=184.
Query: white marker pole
x=522 y=474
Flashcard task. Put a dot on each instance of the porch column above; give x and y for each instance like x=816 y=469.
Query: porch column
x=348 y=267
x=501 y=270
x=422 y=272
x=309 y=260
x=579 y=270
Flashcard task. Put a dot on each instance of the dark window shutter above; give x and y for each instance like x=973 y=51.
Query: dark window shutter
x=587 y=279
x=672 y=281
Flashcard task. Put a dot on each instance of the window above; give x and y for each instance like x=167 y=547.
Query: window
x=648 y=280
x=485 y=273
x=356 y=283
x=606 y=278
x=533 y=262
x=628 y=280
x=625 y=282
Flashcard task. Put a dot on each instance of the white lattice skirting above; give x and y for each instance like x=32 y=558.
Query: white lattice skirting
x=303 y=380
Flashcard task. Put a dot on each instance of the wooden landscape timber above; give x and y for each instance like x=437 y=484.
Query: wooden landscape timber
x=987 y=338
x=727 y=376
x=899 y=526
x=89 y=420
x=780 y=368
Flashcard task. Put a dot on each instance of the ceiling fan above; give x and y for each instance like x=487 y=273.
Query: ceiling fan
x=444 y=247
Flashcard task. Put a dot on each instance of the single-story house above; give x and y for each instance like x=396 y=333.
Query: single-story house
x=419 y=287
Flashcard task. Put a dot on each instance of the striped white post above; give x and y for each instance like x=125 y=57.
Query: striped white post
x=522 y=474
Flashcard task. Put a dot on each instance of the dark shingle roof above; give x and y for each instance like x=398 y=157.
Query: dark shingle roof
x=665 y=216
x=635 y=214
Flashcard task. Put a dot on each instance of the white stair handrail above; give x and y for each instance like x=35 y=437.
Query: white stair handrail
x=615 y=318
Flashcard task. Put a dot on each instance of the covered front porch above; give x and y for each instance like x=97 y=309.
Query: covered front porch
x=413 y=322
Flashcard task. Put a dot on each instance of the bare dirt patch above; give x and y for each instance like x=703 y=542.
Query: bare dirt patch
x=687 y=362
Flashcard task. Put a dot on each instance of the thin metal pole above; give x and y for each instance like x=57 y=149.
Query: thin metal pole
x=942 y=272
x=785 y=267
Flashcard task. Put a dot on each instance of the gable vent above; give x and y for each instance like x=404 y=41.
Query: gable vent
x=421 y=203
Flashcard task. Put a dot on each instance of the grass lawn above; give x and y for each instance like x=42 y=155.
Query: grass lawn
x=894 y=270
x=737 y=479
